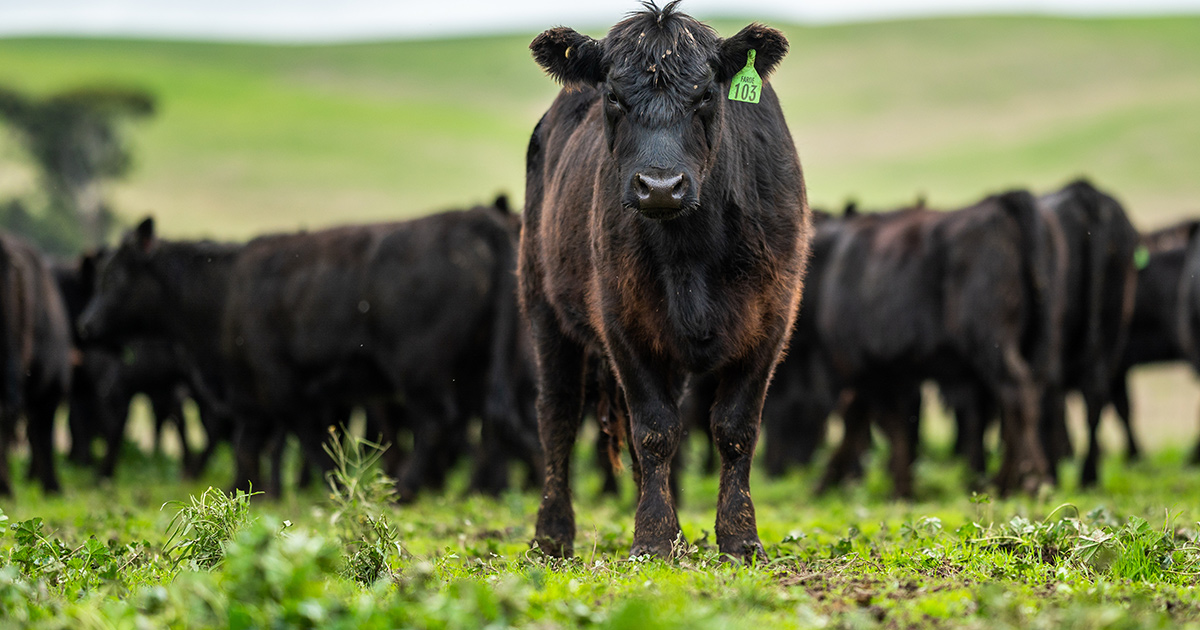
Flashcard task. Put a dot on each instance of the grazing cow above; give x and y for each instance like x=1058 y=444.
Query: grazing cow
x=1100 y=282
x=666 y=230
x=1154 y=335
x=917 y=294
x=35 y=347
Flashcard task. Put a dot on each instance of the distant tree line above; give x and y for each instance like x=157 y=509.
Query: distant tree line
x=75 y=140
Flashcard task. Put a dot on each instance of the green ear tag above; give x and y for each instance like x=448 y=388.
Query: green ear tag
x=746 y=85
x=1141 y=257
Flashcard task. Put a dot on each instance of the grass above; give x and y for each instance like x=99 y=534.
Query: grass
x=262 y=137
x=1124 y=556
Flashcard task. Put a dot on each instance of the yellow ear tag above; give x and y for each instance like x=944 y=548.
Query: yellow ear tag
x=746 y=85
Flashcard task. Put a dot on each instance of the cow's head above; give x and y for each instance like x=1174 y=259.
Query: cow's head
x=127 y=291
x=663 y=78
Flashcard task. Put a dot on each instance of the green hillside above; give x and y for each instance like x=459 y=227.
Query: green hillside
x=256 y=137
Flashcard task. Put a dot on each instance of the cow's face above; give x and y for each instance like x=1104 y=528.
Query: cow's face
x=662 y=79
x=127 y=291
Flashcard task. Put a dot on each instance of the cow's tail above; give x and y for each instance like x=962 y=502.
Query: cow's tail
x=1111 y=244
x=1037 y=343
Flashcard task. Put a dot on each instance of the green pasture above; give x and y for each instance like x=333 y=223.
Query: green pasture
x=103 y=556
x=265 y=137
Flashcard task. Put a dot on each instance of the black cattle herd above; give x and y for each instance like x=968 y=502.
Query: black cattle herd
x=666 y=275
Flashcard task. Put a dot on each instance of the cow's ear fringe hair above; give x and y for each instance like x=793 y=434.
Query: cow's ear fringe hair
x=570 y=57
x=769 y=44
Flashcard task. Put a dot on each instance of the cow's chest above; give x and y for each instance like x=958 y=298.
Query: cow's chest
x=684 y=315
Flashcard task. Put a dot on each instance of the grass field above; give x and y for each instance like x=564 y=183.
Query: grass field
x=1127 y=557
x=252 y=138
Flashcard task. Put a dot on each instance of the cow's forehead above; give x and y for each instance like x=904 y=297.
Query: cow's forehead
x=659 y=63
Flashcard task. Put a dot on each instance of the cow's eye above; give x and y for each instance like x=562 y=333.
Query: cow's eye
x=612 y=100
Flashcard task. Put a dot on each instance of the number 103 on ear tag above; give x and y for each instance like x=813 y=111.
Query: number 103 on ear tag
x=746 y=85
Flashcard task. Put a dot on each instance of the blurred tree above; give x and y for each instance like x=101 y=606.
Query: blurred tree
x=74 y=137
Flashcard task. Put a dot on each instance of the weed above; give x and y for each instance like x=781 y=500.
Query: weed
x=360 y=493
x=200 y=529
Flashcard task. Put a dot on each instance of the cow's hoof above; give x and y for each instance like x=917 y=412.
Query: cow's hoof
x=554 y=547
x=667 y=547
x=745 y=551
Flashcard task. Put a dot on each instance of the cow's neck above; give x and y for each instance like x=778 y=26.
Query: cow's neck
x=197 y=278
x=690 y=253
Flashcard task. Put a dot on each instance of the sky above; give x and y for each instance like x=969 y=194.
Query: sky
x=337 y=20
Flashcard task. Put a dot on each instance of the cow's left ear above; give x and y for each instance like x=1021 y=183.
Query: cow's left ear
x=144 y=235
x=769 y=45
x=570 y=57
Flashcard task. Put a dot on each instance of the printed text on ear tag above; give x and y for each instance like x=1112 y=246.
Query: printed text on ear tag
x=746 y=85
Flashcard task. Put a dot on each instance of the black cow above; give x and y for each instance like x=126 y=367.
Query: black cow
x=307 y=325
x=1188 y=313
x=35 y=347
x=1154 y=328
x=804 y=391
x=1097 y=305
x=950 y=296
x=666 y=230
x=106 y=377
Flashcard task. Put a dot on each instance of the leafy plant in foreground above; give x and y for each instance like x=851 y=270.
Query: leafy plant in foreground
x=359 y=492
x=200 y=529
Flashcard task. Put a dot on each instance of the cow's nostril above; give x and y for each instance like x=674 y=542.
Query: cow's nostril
x=640 y=186
x=677 y=184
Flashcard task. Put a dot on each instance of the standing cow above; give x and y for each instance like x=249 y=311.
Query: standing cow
x=35 y=347
x=1154 y=334
x=957 y=297
x=306 y=325
x=666 y=229
x=1100 y=281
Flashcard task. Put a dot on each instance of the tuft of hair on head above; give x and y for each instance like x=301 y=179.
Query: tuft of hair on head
x=501 y=203
x=660 y=14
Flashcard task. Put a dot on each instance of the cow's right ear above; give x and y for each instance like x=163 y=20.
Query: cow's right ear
x=144 y=235
x=769 y=45
x=570 y=57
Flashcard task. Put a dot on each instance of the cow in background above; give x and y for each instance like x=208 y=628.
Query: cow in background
x=954 y=297
x=35 y=347
x=1097 y=305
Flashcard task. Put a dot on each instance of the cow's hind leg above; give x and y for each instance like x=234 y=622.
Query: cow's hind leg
x=40 y=428
x=7 y=419
x=1120 y=401
x=846 y=461
x=1090 y=474
x=1024 y=463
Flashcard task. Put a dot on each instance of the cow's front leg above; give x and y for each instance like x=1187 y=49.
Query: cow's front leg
x=656 y=430
x=735 y=424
